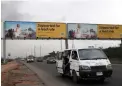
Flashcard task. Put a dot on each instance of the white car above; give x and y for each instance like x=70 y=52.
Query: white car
x=30 y=59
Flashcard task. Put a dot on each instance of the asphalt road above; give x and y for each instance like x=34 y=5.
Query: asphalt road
x=55 y=79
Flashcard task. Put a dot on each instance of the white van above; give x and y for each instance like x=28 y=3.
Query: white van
x=85 y=64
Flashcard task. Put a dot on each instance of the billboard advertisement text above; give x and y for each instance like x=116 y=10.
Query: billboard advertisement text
x=109 y=31
x=50 y=29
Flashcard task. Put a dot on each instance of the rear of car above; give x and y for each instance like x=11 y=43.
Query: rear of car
x=39 y=60
x=30 y=59
x=51 y=61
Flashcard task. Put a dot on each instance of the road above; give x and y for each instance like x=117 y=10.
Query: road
x=48 y=73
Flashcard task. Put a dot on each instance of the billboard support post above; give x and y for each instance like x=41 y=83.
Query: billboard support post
x=121 y=43
x=4 y=44
x=66 y=43
x=61 y=44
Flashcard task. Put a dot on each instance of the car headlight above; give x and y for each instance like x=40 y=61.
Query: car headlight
x=83 y=67
x=109 y=66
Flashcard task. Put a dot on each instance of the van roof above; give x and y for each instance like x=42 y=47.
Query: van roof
x=78 y=49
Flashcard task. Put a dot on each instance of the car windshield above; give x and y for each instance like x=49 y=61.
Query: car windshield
x=88 y=54
x=30 y=57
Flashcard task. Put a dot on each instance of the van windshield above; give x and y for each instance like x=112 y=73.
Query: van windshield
x=30 y=57
x=89 y=54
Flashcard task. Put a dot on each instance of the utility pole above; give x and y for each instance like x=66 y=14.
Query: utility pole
x=31 y=51
x=66 y=40
x=61 y=44
x=4 y=43
x=26 y=54
x=40 y=50
x=73 y=46
x=34 y=51
x=66 y=43
x=121 y=43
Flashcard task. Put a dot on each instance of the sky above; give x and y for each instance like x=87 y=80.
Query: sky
x=69 y=11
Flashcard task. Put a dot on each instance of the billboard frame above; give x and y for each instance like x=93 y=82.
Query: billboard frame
x=49 y=38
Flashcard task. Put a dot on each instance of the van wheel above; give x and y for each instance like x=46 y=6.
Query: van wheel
x=62 y=75
x=75 y=77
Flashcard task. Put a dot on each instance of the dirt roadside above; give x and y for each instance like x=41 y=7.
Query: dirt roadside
x=17 y=74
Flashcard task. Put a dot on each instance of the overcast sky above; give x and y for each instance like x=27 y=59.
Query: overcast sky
x=70 y=11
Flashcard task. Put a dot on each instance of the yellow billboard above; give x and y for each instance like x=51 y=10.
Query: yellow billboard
x=109 y=31
x=50 y=30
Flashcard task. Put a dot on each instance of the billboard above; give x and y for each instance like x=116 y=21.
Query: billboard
x=78 y=30
x=18 y=29
x=21 y=29
x=50 y=29
x=109 y=31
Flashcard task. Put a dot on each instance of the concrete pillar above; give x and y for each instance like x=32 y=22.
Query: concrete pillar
x=66 y=43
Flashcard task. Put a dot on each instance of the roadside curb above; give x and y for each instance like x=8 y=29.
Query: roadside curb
x=43 y=82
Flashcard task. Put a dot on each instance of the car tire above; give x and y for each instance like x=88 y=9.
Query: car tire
x=75 y=78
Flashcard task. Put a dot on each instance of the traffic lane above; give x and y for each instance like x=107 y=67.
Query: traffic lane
x=115 y=80
x=49 y=68
x=46 y=78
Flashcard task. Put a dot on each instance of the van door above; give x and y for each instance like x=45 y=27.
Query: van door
x=74 y=62
x=66 y=64
x=59 y=62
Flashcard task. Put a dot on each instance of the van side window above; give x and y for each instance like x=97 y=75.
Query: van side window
x=67 y=53
x=74 y=55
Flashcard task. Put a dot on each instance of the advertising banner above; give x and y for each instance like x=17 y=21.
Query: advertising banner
x=14 y=29
x=50 y=30
x=109 y=31
x=76 y=30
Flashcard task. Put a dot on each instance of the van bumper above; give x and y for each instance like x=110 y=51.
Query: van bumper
x=93 y=74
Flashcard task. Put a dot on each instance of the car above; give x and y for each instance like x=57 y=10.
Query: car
x=51 y=61
x=22 y=59
x=30 y=59
x=39 y=60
